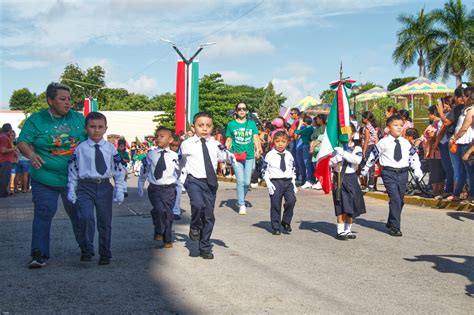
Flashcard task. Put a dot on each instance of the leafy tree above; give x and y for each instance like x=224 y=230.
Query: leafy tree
x=416 y=39
x=84 y=83
x=397 y=82
x=167 y=103
x=269 y=107
x=21 y=99
x=379 y=109
x=454 y=54
x=327 y=96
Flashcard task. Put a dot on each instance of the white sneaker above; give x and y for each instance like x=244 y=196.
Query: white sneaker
x=242 y=210
x=254 y=185
x=317 y=186
x=306 y=185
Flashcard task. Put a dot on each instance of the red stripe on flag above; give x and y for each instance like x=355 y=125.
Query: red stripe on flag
x=323 y=174
x=340 y=105
x=180 y=98
x=87 y=107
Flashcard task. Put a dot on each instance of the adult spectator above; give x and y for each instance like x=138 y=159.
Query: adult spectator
x=369 y=140
x=294 y=121
x=7 y=158
x=305 y=130
x=316 y=139
x=243 y=141
x=48 y=139
x=433 y=154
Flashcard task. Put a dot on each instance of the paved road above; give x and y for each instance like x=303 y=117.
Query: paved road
x=429 y=270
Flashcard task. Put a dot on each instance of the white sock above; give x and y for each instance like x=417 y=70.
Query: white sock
x=340 y=228
x=347 y=227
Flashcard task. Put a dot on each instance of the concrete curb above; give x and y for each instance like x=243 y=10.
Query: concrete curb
x=409 y=200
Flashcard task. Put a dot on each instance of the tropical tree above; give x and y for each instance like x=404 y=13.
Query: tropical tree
x=269 y=106
x=416 y=39
x=397 y=82
x=327 y=96
x=454 y=54
x=21 y=99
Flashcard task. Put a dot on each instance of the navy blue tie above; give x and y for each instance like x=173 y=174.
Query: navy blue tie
x=282 y=162
x=160 y=166
x=100 y=165
x=397 y=154
x=210 y=172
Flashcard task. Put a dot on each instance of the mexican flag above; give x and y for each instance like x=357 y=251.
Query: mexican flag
x=90 y=105
x=187 y=92
x=336 y=134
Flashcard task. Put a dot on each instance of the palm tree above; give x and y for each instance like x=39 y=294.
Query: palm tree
x=454 y=54
x=415 y=40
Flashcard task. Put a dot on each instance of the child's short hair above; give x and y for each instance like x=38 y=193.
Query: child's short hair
x=432 y=110
x=412 y=132
x=163 y=128
x=176 y=138
x=281 y=134
x=308 y=120
x=393 y=118
x=201 y=114
x=121 y=142
x=95 y=116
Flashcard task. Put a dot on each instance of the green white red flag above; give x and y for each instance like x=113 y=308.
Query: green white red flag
x=187 y=91
x=90 y=105
x=336 y=134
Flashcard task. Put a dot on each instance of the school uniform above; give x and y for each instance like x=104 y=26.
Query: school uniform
x=396 y=156
x=279 y=170
x=351 y=199
x=200 y=157
x=161 y=169
x=90 y=170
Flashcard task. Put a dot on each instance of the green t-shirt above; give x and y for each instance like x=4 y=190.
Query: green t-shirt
x=124 y=155
x=305 y=134
x=242 y=137
x=54 y=140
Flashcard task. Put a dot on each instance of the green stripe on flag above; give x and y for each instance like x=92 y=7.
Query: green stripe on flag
x=94 y=106
x=194 y=90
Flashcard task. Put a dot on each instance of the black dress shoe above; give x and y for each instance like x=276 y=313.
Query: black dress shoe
x=86 y=257
x=276 y=232
x=342 y=237
x=194 y=235
x=206 y=255
x=351 y=236
x=287 y=227
x=104 y=260
x=395 y=232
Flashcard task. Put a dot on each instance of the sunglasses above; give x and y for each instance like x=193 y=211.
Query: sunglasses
x=241 y=109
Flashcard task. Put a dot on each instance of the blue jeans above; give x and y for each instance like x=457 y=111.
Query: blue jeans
x=301 y=174
x=45 y=200
x=177 y=204
x=307 y=163
x=468 y=168
x=243 y=172
x=292 y=149
x=459 y=172
x=447 y=166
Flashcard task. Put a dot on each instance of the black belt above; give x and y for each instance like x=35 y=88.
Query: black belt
x=199 y=179
x=94 y=180
x=284 y=179
x=397 y=170
x=164 y=186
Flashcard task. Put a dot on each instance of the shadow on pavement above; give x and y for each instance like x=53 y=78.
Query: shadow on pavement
x=444 y=264
x=374 y=225
x=232 y=204
x=193 y=246
x=319 y=226
x=461 y=216
x=265 y=225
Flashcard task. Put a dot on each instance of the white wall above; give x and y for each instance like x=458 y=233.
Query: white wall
x=127 y=124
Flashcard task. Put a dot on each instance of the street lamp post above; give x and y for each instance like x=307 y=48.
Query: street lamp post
x=187 y=62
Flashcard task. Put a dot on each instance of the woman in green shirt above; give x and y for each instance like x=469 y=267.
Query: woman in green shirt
x=243 y=141
x=48 y=138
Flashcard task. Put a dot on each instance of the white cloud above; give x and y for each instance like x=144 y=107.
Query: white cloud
x=294 y=88
x=25 y=65
x=142 y=85
x=234 y=77
x=232 y=46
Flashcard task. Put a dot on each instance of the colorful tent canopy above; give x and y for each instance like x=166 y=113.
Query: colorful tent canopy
x=421 y=85
x=372 y=94
x=301 y=105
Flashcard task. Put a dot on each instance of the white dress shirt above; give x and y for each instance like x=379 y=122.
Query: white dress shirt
x=271 y=167
x=82 y=164
x=384 y=151
x=193 y=158
x=170 y=174
x=353 y=158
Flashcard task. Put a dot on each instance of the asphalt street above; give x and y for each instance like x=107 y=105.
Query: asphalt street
x=428 y=270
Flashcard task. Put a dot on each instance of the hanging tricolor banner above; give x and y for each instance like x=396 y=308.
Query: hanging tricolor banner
x=90 y=105
x=186 y=75
x=336 y=134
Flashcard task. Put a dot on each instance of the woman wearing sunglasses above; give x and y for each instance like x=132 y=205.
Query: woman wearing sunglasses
x=244 y=143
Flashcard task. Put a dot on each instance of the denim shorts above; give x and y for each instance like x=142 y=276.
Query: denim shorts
x=23 y=166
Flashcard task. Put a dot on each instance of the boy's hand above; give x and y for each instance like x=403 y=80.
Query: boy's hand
x=71 y=196
x=339 y=150
x=271 y=188
x=119 y=196
x=140 y=189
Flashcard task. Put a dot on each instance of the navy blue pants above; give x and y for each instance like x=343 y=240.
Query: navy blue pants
x=396 y=185
x=100 y=196
x=203 y=200
x=5 y=174
x=283 y=188
x=162 y=198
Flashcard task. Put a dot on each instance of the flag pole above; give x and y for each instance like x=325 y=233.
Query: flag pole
x=338 y=191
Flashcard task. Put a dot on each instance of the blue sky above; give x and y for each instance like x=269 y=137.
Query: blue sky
x=296 y=44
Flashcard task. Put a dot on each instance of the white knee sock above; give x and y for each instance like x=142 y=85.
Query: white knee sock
x=347 y=228
x=340 y=228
